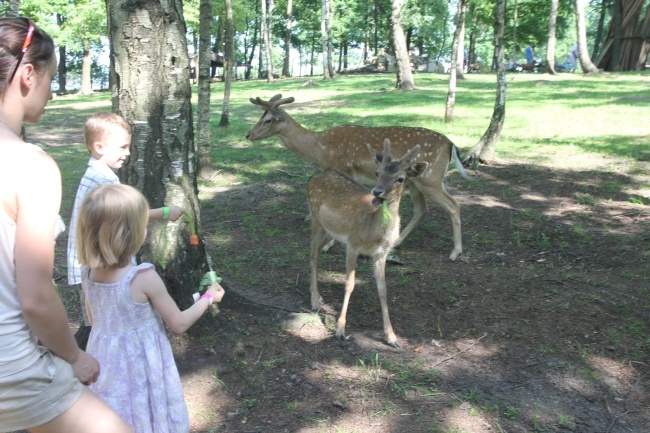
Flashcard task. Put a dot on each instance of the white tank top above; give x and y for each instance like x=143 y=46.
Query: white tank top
x=18 y=345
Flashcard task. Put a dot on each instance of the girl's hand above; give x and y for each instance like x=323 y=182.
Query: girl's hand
x=175 y=213
x=216 y=291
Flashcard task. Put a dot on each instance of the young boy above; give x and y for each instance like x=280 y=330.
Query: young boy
x=108 y=138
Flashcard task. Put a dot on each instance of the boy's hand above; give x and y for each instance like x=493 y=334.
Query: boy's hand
x=175 y=213
x=216 y=291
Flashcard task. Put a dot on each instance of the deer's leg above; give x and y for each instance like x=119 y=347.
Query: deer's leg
x=350 y=270
x=420 y=209
x=319 y=238
x=438 y=194
x=380 y=278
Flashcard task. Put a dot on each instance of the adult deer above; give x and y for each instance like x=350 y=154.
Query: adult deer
x=343 y=148
x=367 y=222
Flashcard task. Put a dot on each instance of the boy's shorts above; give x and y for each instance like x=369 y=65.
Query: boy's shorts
x=38 y=394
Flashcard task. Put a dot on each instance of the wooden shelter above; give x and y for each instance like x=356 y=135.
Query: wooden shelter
x=628 y=39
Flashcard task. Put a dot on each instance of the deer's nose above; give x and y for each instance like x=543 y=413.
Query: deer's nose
x=377 y=192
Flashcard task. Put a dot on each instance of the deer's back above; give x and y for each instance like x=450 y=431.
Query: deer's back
x=348 y=148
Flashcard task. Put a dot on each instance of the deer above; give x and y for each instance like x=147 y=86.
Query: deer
x=366 y=222
x=343 y=148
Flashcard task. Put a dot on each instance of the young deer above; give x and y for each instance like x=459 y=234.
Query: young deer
x=367 y=222
x=343 y=148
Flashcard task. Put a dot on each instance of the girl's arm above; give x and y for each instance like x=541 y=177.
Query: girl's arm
x=38 y=195
x=149 y=284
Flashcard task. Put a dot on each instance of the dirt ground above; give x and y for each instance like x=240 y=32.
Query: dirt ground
x=542 y=325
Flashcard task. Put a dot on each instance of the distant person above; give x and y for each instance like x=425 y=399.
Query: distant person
x=530 y=53
x=125 y=303
x=42 y=370
x=108 y=139
x=573 y=58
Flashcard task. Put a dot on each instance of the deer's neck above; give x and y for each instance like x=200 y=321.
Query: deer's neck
x=307 y=144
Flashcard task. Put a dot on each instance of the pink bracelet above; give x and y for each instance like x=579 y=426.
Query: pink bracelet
x=208 y=296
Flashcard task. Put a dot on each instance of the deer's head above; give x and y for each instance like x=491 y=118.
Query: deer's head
x=272 y=120
x=391 y=175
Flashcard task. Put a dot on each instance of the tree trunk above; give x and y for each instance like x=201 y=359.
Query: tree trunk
x=483 y=151
x=515 y=14
x=62 y=69
x=460 y=55
x=266 y=34
x=228 y=64
x=330 y=44
x=203 y=69
x=151 y=90
x=581 y=28
x=86 y=86
x=254 y=43
x=404 y=75
x=453 y=69
x=599 y=32
x=550 y=50
x=286 y=68
x=617 y=27
x=13 y=10
x=323 y=30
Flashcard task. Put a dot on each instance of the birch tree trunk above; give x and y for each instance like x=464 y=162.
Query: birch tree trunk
x=550 y=49
x=324 y=19
x=286 y=67
x=483 y=151
x=266 y=34
x=151 y=90
x=453 y=69
x=404 y=74
x=585 y=62
x=86 y=86
x=460 y=64
x=203 y=67
x=228 y=64
x=330 y=39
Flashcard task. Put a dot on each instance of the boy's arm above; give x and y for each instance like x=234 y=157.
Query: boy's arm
x=174 y=213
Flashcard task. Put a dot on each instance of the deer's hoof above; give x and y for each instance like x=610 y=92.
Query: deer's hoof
x=394 y=344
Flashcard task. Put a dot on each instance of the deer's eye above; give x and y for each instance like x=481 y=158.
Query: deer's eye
x=376 y=174
x=268 y=121
x=400 y=180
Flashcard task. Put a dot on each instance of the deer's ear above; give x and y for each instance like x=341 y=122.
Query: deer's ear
x=417 y=169
x=378 y=157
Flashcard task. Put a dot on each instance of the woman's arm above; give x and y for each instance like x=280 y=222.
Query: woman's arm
x=38 y=198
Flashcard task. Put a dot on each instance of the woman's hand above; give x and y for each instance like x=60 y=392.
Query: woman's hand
x=85 y=368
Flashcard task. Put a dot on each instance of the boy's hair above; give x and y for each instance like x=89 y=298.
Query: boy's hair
x=100 y=124
x=112 y=226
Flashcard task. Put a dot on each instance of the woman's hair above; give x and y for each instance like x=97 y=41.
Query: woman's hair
x=112 y=226
x=13 y=33
x=101 y=124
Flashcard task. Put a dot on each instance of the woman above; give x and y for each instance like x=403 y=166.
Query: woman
x=41 y=386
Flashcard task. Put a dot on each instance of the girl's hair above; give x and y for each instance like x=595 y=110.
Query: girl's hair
x=100 y=124
x=13 y=34
x=112 y=226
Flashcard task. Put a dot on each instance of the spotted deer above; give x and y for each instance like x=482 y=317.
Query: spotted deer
x=367 y=222
x=343 y=148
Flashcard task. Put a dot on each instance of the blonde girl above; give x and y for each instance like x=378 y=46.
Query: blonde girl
x=126 y=305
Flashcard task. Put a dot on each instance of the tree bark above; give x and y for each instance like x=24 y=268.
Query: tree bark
x=581 y=28
x=204 y=80
x=324 y=23
x=151 y=90
x=599 y=32
x=453 y=68
x=228 y=64
x=13 y=10
x=484 y=150
x=286 y=68
x=266 y=34
x=404 y=74
x=86 y=86
x=550 y=49
x=460 y=64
